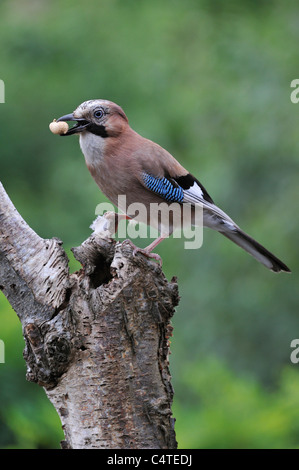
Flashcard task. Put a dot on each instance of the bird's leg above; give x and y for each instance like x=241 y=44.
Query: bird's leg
x=118 y=218
x=155 y=243
x=148 y=250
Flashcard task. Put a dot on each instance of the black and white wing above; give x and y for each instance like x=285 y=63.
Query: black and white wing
x=187 y=189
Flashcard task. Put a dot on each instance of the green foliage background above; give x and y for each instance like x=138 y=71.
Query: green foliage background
x=209 y=81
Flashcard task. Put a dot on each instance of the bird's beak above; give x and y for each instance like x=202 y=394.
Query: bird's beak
x=81 y=124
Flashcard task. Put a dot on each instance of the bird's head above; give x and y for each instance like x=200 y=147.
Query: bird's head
x=100 y=117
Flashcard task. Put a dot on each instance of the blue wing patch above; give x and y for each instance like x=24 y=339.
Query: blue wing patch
x=164 y=188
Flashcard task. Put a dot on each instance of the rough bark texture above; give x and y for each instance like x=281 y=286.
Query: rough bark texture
x=96 y=340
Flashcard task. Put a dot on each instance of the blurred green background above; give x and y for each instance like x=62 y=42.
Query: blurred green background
x=209 y=81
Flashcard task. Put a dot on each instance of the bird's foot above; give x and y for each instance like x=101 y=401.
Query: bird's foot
x=148 y=254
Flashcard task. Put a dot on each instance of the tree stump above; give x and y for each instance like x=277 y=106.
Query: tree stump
x=97 y=339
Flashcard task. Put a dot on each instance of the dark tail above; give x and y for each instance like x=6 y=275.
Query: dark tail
x=256 y=250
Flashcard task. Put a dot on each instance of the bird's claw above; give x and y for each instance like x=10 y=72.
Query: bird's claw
x=146 y=253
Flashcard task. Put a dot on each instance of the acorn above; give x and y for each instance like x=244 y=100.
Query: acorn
x=60 y=127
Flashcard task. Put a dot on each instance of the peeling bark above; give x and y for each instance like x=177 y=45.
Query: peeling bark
x=97 y=339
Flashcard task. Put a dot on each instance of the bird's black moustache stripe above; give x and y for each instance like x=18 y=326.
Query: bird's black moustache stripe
x=97 y=130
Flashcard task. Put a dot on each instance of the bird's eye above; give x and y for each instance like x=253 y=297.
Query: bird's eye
x=98 y=113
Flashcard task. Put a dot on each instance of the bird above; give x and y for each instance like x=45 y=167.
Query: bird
x=123 y=163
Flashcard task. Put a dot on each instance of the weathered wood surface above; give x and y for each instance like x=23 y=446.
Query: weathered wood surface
x=97 y=339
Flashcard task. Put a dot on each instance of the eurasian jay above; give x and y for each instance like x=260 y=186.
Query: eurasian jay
x=122 y=162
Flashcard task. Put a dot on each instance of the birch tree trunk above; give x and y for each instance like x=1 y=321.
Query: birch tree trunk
x=96 y=340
